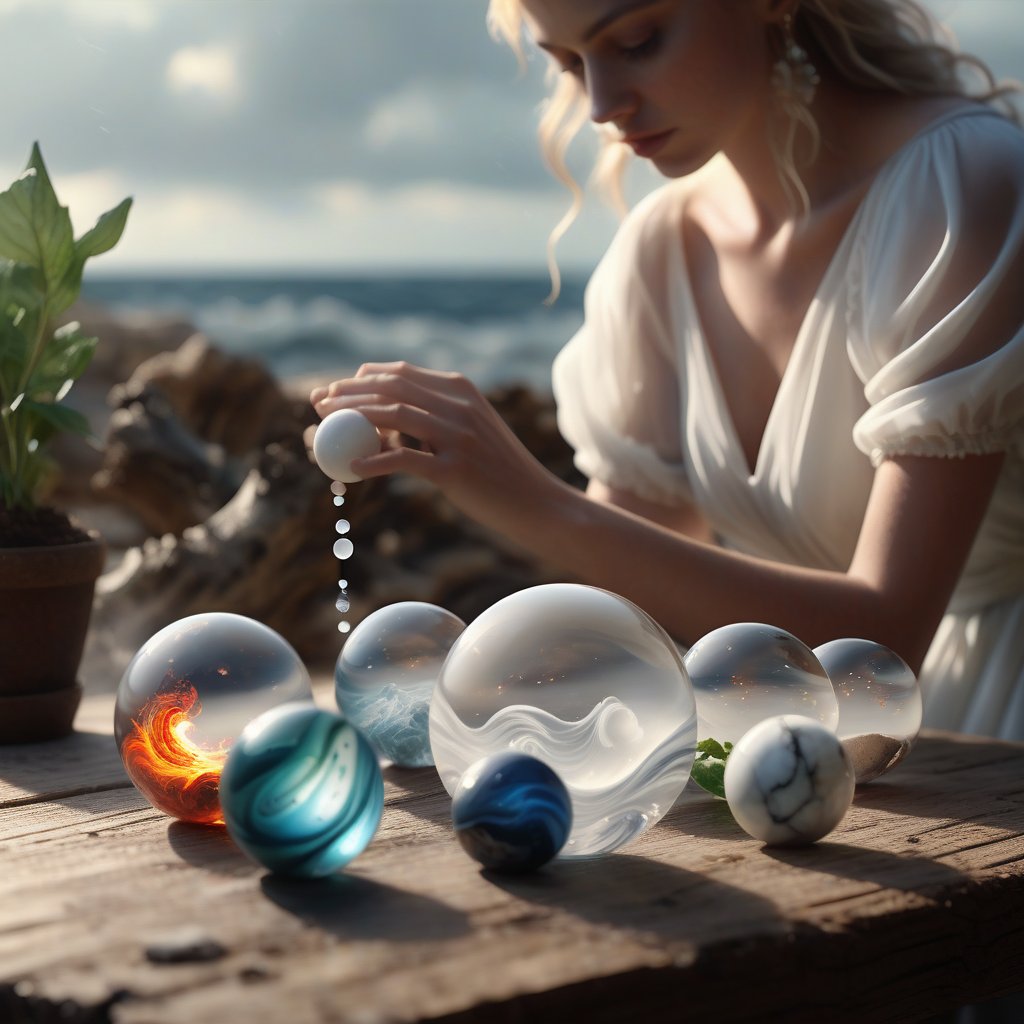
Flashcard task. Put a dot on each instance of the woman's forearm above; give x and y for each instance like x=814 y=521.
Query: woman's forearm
x=691 y=587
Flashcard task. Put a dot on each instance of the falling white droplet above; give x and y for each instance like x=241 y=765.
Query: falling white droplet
x=343 y=627
x=343 y=584
x=337 y=487
x=339 y=500
x=343 y=548
x=342 y=526
x=342 y=604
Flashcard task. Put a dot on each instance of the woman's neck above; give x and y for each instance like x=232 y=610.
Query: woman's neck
x=858 y=130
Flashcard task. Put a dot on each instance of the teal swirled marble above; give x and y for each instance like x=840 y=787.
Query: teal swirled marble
x=301 y=791
x=511 y=812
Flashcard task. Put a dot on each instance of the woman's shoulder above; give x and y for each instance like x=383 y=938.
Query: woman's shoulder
x=655 y=216
x=651 y=232
x=963 y=141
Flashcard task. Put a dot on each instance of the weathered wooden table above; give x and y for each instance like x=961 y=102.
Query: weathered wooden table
x=110 y=911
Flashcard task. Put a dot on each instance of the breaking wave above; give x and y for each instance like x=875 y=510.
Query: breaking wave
x=620 y=783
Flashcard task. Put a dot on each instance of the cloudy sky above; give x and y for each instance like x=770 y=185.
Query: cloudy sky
x=331 y=134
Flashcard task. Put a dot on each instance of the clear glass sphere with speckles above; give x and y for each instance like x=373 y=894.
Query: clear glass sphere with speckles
x=746 y=672
x=879 y=701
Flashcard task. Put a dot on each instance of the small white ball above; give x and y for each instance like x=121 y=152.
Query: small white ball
x=344 y=435
x=788 y=781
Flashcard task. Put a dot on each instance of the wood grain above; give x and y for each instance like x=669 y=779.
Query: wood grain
x=914 y=904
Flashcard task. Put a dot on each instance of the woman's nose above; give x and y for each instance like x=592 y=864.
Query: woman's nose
x=610 y=99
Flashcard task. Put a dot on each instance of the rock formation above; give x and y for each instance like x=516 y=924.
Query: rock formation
x=205 y=449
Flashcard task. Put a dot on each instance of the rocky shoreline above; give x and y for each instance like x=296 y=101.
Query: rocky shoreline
x=200 y=482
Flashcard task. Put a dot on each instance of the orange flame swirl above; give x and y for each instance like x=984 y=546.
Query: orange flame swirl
x=174 y=774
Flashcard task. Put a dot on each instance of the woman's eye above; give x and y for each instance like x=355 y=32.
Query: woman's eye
x=643 y=47
x=573 y=66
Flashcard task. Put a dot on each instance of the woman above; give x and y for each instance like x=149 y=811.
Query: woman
x=799 y=391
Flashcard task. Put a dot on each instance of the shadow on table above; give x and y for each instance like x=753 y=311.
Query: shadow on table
x=208 y=847
x=648 y=896
x=351 y=907
x=888 y=870
x=697 y=813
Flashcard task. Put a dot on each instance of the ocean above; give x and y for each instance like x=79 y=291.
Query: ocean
x=494 y=329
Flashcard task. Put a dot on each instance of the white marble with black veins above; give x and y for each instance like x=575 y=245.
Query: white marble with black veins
x=788 y=781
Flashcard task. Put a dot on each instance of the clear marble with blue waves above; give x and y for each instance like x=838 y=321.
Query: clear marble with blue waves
x=302 y=792
x=511 y=812
x=385 y=676
x=586 y=682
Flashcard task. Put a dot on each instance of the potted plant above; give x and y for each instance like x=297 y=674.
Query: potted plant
x=48 y=564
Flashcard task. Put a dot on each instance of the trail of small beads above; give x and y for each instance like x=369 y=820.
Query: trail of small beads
x=343 y=549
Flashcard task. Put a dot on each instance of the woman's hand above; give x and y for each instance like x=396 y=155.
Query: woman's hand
x=462 y=445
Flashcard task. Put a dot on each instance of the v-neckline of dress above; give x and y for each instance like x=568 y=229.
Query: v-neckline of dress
x=736 y=453
x=734 y=444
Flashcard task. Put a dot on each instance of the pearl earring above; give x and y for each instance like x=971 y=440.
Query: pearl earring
x=794 y=77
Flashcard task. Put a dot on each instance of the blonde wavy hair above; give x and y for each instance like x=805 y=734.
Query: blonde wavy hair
x=881 y=45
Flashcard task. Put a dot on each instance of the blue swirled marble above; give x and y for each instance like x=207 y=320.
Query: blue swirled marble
x=301 y=791
x=511 y=812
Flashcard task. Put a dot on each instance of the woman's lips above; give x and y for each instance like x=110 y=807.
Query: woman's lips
x=647 y=145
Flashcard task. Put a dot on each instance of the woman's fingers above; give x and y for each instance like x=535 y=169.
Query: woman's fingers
x=433 y=379
x=435 y=393
x=396 y=460
x=430 y=430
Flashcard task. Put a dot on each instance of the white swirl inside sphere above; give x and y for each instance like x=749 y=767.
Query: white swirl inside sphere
x=342 y=436
x=585 y=681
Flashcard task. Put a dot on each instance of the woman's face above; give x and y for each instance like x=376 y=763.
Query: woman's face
x=681 y=80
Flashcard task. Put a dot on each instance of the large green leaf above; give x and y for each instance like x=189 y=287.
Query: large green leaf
x=106 y=232
x=50 y=417
x=66 y=358
x=19 y=288
x=13 y=353
x=17 y=240
x=34 y=228
x=68 y=354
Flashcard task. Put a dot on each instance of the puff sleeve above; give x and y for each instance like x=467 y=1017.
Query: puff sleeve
x=616 y=382
x=936 y=311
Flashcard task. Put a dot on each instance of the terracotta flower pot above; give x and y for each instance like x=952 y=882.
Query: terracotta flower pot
x=46 y=596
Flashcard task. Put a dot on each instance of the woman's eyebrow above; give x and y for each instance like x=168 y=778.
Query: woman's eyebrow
x=606 y=19
x=619 y=11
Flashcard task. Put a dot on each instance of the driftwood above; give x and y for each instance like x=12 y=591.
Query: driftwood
x=187 y=426
x=206 y=449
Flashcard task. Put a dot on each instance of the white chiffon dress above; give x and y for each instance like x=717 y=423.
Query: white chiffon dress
x=640 y=402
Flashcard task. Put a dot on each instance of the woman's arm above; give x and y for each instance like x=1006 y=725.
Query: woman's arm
x=683 y=519
x=920 y=523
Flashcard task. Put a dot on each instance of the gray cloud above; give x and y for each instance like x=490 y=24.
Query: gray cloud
x=387 y=93
x=311 y=74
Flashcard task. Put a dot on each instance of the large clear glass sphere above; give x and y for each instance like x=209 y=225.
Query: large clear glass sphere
x=586 y=682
